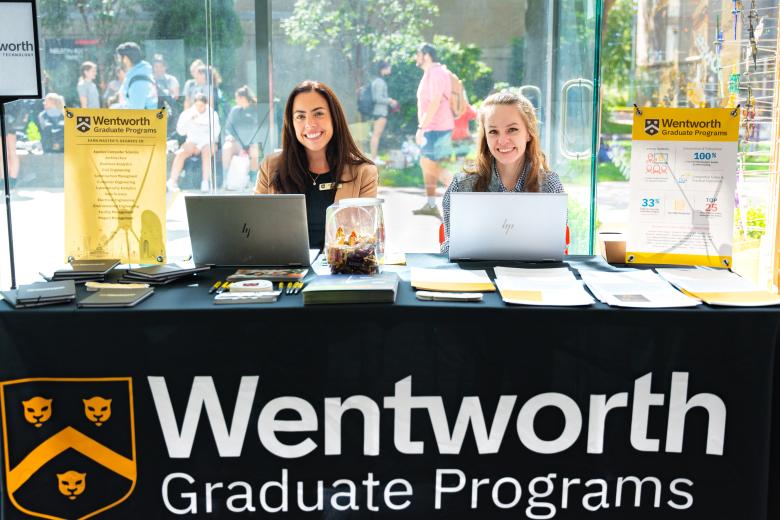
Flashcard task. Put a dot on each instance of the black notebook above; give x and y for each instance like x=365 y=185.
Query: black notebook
x=164 y=271
x=83 y=269
x=46 y=291
x=39 y=294
x=116 y=298
x=360 y=288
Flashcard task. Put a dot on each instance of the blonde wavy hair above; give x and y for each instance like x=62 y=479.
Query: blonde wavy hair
x=537 y=161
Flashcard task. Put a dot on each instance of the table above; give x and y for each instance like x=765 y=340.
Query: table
x=411 y=410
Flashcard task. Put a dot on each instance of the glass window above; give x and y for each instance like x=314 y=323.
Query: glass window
x=693 y=54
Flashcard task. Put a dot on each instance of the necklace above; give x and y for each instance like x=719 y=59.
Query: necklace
x=314 y=178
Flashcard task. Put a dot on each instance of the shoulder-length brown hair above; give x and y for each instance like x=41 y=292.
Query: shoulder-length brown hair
x=291 y=175
x=534 y=157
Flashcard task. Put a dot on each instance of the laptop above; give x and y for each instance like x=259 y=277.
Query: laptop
x=248 y=230
x=527 y=227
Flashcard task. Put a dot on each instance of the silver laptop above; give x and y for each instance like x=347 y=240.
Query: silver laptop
x=248 y=230
x=529 y=227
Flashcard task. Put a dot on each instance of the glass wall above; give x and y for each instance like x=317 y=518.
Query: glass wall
x=681 y=53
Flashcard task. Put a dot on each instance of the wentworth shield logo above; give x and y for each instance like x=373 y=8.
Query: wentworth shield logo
x=83 y=123
x=652 y=126
x=69 y=445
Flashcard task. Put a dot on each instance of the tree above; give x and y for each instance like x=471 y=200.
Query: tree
x=186 y=20
x=362 y=30
x=617 y=38
x=103 y=20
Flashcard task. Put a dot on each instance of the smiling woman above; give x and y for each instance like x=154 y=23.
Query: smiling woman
x=509 y=154
x=319 y=157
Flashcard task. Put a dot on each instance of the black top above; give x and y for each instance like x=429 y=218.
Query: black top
x=317 y=201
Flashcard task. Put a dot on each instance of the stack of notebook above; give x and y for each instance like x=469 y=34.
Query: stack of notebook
x=83 y=270
x=42 y=293
x=378 y=288
x=116 y=297
x=162 y=274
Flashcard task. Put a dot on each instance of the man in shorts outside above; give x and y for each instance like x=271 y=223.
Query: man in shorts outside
x=436 y=123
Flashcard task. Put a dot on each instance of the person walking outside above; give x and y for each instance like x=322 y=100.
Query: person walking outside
x=382 y=105
x=138 y=89
x=434 y=131
x=88 y=91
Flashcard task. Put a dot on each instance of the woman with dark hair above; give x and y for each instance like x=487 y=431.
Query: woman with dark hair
x=319 y=158
x=509 y=154
x=242 y=130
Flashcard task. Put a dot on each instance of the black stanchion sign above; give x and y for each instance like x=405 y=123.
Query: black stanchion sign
x=19 y=56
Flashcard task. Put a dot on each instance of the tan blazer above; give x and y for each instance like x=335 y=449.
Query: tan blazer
x=364 y=184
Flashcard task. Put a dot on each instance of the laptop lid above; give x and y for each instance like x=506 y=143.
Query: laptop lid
x=529 y=227
x=248 y=230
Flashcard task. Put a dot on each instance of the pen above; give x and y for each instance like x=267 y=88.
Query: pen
x=223 y=288
x=298 y=287
x=281 y=288
x=215 y=286
x=289 y=287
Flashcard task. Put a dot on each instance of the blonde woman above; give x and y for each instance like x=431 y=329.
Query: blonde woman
x=509 y=155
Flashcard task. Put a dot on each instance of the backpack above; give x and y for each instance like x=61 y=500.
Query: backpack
x=365 y=101
x=163 y=101
x=458 y=100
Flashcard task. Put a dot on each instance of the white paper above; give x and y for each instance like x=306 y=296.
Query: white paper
x=635 y=289
x=554 y=292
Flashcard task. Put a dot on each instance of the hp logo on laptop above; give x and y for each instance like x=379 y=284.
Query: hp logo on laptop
x=507 y=226
x=246 y=230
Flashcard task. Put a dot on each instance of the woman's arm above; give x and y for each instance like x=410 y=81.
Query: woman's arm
x=454 y=186
x=368 y=181
x=262 y=186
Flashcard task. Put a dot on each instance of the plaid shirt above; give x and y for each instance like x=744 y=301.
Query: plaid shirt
x=466 y=182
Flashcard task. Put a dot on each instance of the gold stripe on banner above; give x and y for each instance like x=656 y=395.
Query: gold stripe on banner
x=686 y=124
x=66 y=439
x=453 y=287
x=677 y=259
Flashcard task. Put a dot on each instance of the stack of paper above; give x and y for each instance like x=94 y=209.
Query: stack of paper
x=640 y=289
x=719 y=287
x=451 y=279
x=555 y=286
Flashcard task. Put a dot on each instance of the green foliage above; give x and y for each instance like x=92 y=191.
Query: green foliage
x=411 y=176
x=362 y=31
x=171 y=23
x=754 y=225
x=579 y=222
x=616 y=49
x=109 y=22
x=517 y=61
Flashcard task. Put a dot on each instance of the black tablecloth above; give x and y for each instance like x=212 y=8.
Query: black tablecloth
x=459 y=355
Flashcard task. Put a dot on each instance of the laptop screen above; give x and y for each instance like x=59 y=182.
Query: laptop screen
x=248 y=230
x=508 y=226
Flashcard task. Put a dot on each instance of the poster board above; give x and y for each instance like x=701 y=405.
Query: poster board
x=683 y=179
x=19 y=56
x=115 y=171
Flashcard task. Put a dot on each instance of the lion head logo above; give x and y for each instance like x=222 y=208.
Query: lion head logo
x=97 y=410
x=71 y=483
x=37 y=410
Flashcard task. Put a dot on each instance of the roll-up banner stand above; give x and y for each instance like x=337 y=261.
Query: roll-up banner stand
x=20 y=64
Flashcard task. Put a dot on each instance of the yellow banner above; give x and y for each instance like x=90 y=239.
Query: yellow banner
x=115 y=172
x=686 y=124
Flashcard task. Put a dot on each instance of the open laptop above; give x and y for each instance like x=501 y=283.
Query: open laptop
x=528 y=227
x=248 y=230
